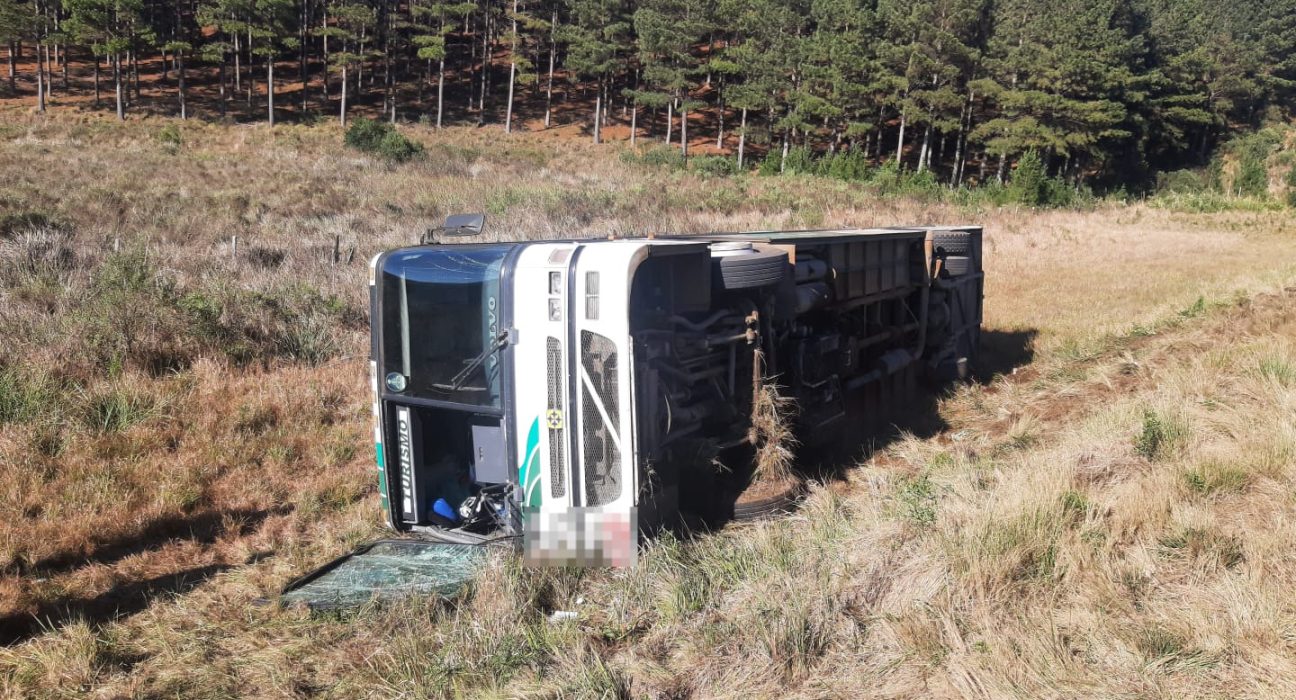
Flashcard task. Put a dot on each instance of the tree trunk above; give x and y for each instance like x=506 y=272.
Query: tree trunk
x=117 y=85
x=925 y=151
x=553 y=51
x=223 y=97
x=342 y=111
x=598 y=116
x=238 y=68
x=250 y=81
x=670 y=120
x=508 y=112
x=44 y=65
x=180 y=72
x=324 y=79
x=742 y=138
x=1003 y=161
x=960 y=143
x=683 y=131
x=96 y=80
x=270 y=88
x=134 y=59
x=13 y=69
x=720 y=109
x=424 y=80
x=486 y=59
x=302 y=45
x=900 y=141
x=64 y=67
x=634 y=123
x=440 y=90
x=877 y=143
x=389 y=82
x=40 y=82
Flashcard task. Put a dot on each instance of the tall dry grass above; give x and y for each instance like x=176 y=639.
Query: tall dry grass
x=183 y=429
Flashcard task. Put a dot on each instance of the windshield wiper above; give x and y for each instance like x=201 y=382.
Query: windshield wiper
x=457 y=381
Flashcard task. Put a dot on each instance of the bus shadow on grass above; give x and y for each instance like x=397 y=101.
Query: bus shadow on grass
x=129 y=596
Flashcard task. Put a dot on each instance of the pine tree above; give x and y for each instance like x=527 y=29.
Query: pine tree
x=269 y=32
x=351 y=20
x=432 y=24
x=595 y=33
x=523 y=30
x=667 y=30
x=17 y=23
x=763 y=34
x=1062 y=80
x=111 y=28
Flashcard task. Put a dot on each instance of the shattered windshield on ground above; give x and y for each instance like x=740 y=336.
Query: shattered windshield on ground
x=388 y=570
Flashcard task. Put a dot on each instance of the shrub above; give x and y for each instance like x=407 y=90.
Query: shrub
x=659 y=156
x=716 y=166
x=887 y=177
x=169 y=137
x=1291 y=186
x=799 y=161
x=381 y=139
x=1253 y=151
x=921 y=183
x=397 y=148
x=1182 y=182
x=1252 y=178
x=849 y=165
x=1160 y=435
x=129 y=318
x=365 y=134
x=771 y=164
x=1029 y=184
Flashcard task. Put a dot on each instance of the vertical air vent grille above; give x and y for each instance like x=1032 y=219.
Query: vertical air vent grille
x=602 y=458
x=557 y=467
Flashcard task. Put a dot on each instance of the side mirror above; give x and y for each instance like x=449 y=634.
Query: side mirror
x=457 y=225
x=464 y=224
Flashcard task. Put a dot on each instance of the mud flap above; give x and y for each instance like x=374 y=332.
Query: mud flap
x=387 y=570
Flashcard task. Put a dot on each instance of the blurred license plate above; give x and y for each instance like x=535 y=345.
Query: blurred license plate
x=581 y=537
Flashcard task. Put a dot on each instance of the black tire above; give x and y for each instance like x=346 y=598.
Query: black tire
x=956 y=266
x=751 y=270
x=952 y=242
x=766 y=507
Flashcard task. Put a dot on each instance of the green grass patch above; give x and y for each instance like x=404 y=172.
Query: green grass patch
x=1278 y=370
x=917 y=497
x=1211 y=478
x=1200 y=544
x=1160 y=435
x=116 y=408
x=24 y=397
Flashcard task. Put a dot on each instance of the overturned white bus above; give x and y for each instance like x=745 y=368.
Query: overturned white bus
x=577 y=392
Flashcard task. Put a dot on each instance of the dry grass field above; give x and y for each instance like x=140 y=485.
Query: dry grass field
x=184 y=427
